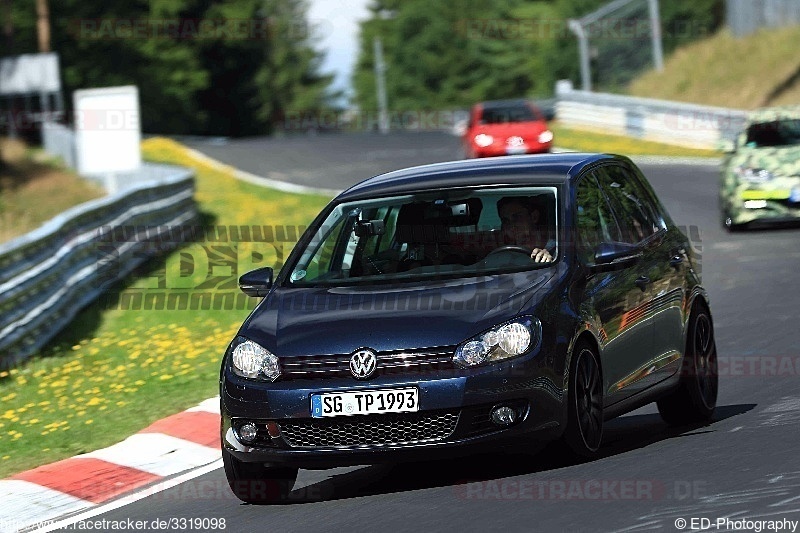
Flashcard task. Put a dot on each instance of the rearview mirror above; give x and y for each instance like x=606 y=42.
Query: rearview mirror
x=368 y=228
x=256 y=282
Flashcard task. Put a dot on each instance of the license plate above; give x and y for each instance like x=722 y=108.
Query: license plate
x=513 y=150
x=364 y=402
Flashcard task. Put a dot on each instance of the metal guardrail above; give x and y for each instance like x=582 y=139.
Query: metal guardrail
x=689 y=125
x=747 y=16
x=48 y=275
x=58 y=140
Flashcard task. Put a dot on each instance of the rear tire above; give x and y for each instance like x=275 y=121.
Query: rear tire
x=584 y=432
x=257 y=484
x=695 y=398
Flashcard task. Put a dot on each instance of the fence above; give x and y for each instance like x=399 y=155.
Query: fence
x=664 y=121
x=58 y=140
x=746 y=16
x=48 y=275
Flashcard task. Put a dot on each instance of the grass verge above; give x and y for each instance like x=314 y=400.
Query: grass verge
x=590 y=141
x=762 y=69
x=34 y=189
x=118 y=369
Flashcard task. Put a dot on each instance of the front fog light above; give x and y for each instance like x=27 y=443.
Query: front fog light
x=248 y=432
x=504 y=416
x=253 y=361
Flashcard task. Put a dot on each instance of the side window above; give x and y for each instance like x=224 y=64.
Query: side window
x=630 y=204
x=649 y=196
x=595 y=222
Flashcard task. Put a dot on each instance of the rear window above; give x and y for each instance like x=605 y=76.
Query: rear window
x=500 y=115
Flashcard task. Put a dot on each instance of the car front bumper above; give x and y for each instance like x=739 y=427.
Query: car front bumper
x=454 y=417
x=500 y=149
x=767 y=209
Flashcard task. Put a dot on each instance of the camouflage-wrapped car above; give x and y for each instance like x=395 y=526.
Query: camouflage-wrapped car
x=761 y=173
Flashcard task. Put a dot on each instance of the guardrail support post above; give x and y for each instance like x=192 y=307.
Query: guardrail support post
x=655 y=34
x=583 y=48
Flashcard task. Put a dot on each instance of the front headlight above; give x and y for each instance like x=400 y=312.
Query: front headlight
x=754 y=175
x=483 y=140
x=501 y=342
x=251 y=360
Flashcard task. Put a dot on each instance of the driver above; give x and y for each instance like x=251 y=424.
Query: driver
x=520 y=225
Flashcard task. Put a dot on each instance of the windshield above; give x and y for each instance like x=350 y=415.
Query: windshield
x=776 y=133
x=415 y=237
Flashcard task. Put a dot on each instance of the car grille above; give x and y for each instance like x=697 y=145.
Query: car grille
x=370 y=430
x=395 y=362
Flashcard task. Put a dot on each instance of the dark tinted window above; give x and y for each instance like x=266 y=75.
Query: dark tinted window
x=511 y=113
x=595 y=221
x=635 y=214
x=776 y=133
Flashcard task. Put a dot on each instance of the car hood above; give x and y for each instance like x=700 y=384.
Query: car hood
x=329 y=321
x=780 y=161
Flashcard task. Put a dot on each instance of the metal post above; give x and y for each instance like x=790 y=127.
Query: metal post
x=43 y=25
x=655 y=25
x=380 y=85
x=583 y=49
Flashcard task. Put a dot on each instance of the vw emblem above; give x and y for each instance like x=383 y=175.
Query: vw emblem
x=363 y=363
x=515 y=141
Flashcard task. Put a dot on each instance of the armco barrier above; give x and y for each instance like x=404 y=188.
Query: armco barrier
x=48 y=275
x=689 y=125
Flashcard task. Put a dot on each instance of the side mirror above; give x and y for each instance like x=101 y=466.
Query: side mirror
x=256 y=282
x=610 y=256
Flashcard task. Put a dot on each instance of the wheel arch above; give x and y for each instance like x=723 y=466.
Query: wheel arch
x=584 y=336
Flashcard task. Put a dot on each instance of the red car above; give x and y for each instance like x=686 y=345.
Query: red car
x=506 y=127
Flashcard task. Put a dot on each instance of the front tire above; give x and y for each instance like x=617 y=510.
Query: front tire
x=696 y=396
x=728 y=222
x=584 y=431
x=257 y=484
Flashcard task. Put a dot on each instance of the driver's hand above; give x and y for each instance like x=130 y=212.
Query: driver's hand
x=541 y=255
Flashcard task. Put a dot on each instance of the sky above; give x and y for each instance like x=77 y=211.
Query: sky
x=337 y=28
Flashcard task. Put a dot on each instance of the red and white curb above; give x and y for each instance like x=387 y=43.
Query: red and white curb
x=175 y=444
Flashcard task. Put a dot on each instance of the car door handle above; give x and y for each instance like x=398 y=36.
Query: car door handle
x=642 y=282
x=676 y=261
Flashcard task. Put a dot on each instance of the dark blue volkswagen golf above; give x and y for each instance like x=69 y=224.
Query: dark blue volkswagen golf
x=449 y=307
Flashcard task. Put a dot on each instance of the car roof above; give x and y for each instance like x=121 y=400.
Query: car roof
x=769 y=114
x=515 y=102
x=514 y=170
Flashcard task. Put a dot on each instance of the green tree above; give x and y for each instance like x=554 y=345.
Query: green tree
x=256 y=63
x=452 y=53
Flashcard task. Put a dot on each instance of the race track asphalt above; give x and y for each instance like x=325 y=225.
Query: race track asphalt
x=744 y=465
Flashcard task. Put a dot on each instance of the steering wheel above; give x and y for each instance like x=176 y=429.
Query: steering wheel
x=512 y=248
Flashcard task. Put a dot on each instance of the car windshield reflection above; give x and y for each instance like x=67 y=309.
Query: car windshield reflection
x=441 y=234
x=774 y=134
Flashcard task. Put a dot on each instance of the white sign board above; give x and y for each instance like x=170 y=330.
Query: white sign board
x=107 y=130
x=29 y=74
